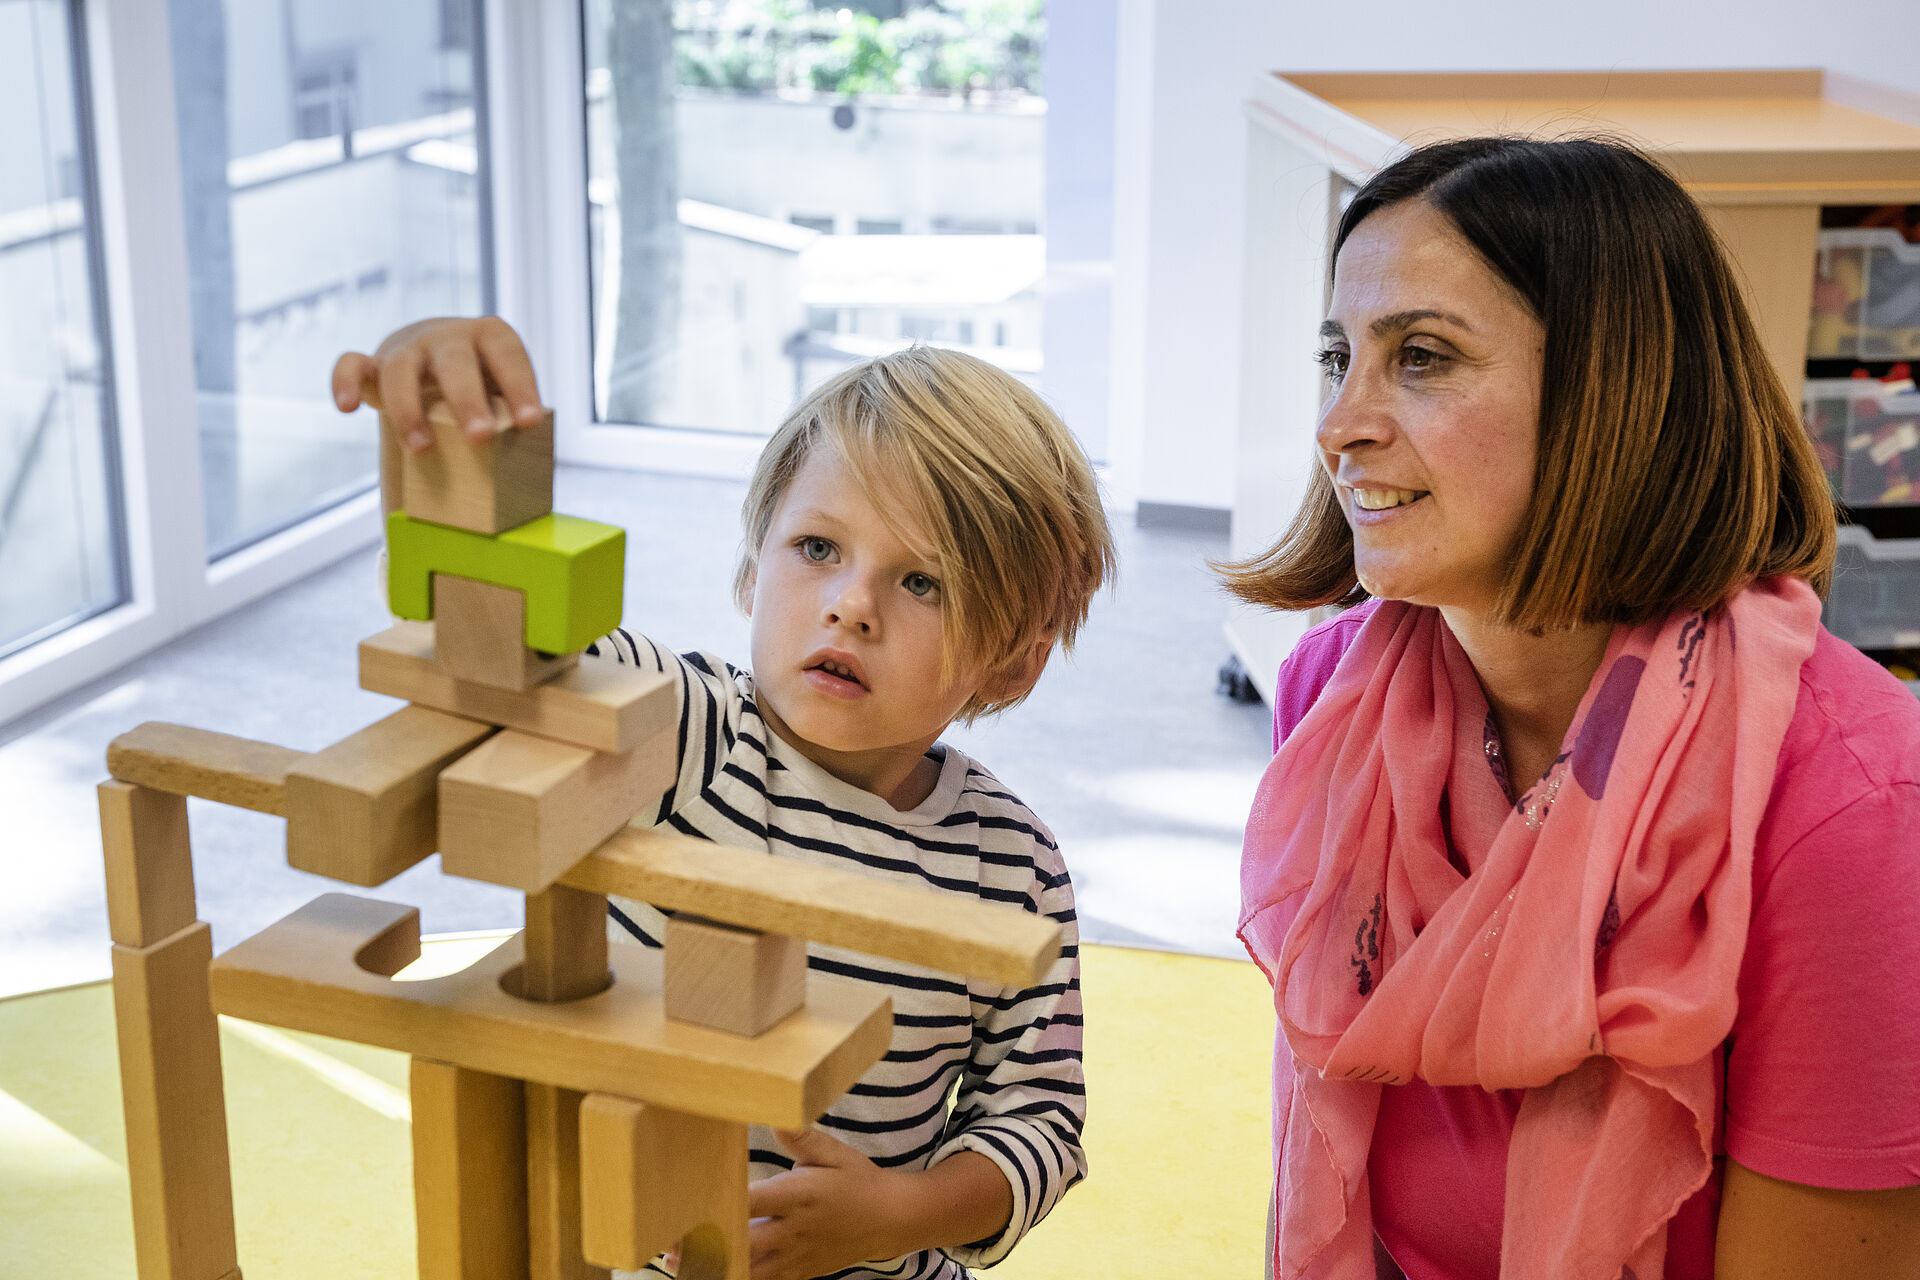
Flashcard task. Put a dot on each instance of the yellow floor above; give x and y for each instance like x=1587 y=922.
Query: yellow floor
x=1176 y=1053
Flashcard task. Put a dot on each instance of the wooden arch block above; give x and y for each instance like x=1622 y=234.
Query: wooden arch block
x=571 y=570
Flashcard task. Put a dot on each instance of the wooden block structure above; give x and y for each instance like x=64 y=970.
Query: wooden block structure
x=578 y=1104
x=488 y=485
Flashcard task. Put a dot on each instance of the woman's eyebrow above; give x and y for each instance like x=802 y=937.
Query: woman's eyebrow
x=1399 y=320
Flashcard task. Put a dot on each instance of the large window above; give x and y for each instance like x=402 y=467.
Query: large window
x=778 y=188
x=60 y=552
x=330 y=156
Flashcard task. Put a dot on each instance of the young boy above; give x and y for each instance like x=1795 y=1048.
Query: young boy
x=920 y=533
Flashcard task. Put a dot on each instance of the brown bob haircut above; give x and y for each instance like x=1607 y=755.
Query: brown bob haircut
x=1673 y=469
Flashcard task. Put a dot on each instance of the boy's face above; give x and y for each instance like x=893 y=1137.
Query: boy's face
x=846 y=633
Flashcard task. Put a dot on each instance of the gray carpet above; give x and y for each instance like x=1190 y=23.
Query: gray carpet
x=1142 y=771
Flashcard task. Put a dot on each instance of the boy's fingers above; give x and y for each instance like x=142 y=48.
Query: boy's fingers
x=355 y=381
x=400 y=392
x=456 y=371
x=773 y=1197
x=511 y=371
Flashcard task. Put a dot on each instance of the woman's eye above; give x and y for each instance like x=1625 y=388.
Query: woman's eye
x=1332 y=362
x=1421 y=357
x=816 y=549
x=919 y=584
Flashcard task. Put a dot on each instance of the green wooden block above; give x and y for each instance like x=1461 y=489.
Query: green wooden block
x=571 y=570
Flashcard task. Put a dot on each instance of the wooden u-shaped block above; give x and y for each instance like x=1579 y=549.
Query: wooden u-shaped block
x=652 y=1177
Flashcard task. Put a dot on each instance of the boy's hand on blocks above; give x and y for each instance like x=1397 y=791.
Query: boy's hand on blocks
x=463 y=360
x=836 y=1207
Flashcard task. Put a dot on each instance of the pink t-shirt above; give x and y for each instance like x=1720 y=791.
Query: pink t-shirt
x=1822 y=1069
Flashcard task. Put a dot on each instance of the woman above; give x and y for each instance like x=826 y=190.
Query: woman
x=1588 y=869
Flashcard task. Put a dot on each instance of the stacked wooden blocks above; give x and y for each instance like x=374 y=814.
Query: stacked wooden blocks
x=578 y=1105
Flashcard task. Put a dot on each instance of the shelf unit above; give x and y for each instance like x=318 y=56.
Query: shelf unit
x=1763 y=152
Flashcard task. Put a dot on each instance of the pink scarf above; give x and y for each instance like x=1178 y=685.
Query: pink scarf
x=1589 y=958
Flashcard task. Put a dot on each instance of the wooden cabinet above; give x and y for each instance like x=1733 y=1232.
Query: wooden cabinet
x=1762 y=151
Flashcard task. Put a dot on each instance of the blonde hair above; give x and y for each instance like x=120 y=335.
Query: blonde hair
x=1003 y=498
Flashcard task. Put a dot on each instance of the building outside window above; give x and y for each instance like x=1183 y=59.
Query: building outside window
x=331 y=160
x=728 y=141
x=61 y=551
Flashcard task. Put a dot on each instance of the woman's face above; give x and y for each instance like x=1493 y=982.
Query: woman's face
x=1431 y=418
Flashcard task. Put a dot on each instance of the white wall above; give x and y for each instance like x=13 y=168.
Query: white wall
x=1185 y=67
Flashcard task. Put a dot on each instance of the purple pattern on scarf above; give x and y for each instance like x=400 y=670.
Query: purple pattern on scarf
x=1600 y=736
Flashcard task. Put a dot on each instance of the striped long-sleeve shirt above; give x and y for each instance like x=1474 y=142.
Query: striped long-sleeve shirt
x=972 y=1066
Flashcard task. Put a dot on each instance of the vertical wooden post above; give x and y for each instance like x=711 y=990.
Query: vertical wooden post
x=170 y=1079
x=469 y=1173
x=566 y=959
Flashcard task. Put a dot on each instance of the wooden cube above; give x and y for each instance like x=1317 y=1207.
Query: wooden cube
x=479 y=634
x=732 y=979
x=487 y=485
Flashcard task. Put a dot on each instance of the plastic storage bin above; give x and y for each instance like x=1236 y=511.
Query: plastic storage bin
x=1867 y=433
x=1875 y=601
x=1866 y=296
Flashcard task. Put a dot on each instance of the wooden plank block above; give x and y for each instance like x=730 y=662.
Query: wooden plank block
x=199 y=762
x=149 y=863
x=469 y=1173
x=942 y=931
x=477 y=628
x=565 y=946
x=300 y=974
x=367 y=808
x=651 y=1176
x=485 y=485
x=571 y=569
x=171 y=1089
x=601 y=704
x=553 y=1186
x=519 y=810
x=736 y=980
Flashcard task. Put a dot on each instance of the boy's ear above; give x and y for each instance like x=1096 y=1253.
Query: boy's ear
x=1020 y=673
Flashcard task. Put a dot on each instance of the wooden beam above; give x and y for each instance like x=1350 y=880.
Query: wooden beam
x=175 y=1103
x=366 y=808
x=149 y=863
x=469 y=1173
x=943 y=931
x=652 y=1176
x=199 y=762
x=601 y=704
x=520 y=810
x=300 y=974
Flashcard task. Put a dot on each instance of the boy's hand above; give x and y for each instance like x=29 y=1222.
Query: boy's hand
x=834 y=1208
x=464 y=359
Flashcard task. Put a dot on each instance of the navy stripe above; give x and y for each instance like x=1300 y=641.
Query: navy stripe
x=881 y=977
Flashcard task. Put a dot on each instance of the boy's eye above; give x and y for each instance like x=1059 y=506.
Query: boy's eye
x=816 y=549
x=919 y=584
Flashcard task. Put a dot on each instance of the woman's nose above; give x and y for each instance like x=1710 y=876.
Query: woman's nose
x=1354 y=414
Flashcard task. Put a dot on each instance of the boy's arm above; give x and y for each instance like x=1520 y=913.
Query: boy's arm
x=1022 y=1100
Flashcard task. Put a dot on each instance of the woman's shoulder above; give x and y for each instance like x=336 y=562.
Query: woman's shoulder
x=1305 y=671
x=1855 y=735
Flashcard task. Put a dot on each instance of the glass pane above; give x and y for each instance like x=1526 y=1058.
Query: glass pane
x=60 y=551
x=778 y=189
x=331 y=159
